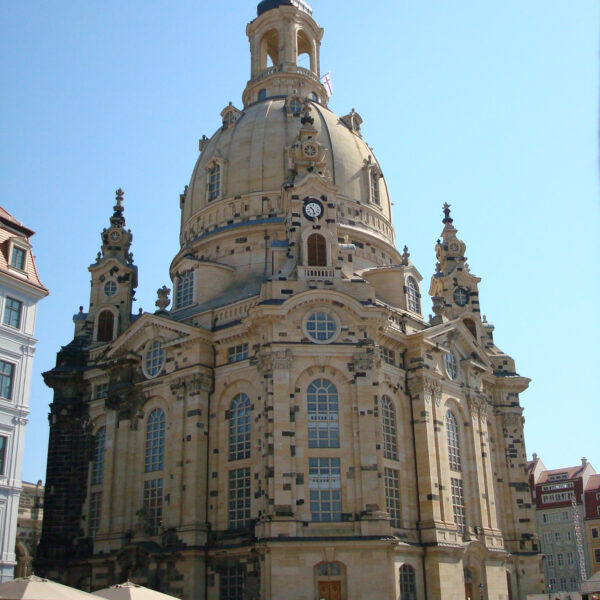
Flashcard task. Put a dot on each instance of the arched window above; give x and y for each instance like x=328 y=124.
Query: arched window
x=408 y=583
x=214 y=182
x=98 y=457
x=155 y=441
x=239 y=428
x=106 y=325
x=305 y=51
x=317 y=250
x=323 y=419
x=185 y=289
x=374 y=181
x=453 y=443
x=388 y=428
x=269 y=49
x=262 y=94
x=412 y=291
x=456 y=482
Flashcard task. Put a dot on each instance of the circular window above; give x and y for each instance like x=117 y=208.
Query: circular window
x=154 y=359
x=321 y=326
x=310 y=150
x=451 y=365
x=110 y=288
x=461 y=296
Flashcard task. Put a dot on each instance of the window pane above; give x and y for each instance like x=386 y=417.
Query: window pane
x=239 y=498
x=6 y=379
x=185 y=289
x=323 y=419
x=392 y=496
x=453 y=442
x=153 y=503
x=18 y=258
x=325 y=489
x=155 y=441
x=98 y=458
x=388 y=426
x=12 y=312
x=412 y=289
x=239 y=428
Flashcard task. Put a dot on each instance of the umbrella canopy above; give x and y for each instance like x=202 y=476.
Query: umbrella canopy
x=37 y=588
x=131 y=591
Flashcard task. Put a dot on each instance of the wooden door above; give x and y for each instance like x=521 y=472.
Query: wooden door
x=330 y=590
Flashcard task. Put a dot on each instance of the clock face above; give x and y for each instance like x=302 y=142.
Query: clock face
x=115 y=236
x=313 y=209
x=310 y=150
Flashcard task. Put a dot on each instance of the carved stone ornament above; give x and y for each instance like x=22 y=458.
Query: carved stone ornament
x=364 y=361
x=269 y=361
x=478 y=405
x=163 y=297
x=20 y=420
x=432 y=390
x=191 y=385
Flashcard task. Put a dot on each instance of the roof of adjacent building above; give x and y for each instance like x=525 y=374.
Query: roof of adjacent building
x=593 y=483
x=12 y=228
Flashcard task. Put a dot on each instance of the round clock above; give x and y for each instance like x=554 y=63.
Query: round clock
x=115 y=236
x=313 y=209
x=310 y=150
x=461 y=296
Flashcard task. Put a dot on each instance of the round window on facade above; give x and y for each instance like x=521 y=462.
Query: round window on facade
x=461 y=296
x=110 y=288
x=154 y=359
x=451 y=365
x=321 y=326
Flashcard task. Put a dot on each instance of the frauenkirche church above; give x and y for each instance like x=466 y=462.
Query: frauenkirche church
x=288 y=425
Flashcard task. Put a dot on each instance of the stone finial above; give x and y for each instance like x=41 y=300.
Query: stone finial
x=306 y=109
x=202 y=143
x=118 y=208
x=405 y=256
x=163 y=299
x=534 y=457
x=447 y=218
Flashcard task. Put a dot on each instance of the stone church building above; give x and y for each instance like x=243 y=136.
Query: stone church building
x=289 y=425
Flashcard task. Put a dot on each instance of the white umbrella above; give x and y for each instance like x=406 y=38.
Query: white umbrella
x=37 y=588
x=131 y=591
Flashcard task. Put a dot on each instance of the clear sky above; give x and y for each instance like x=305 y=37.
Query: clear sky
x=491 y=106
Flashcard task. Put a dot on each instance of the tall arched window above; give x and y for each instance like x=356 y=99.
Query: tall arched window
x=98 y=457
x=455 y=463
x=317 y=250
x=412 y=292
x=408 y=583
x=323 y=418
x=214 y=182
x=388 y=428
x=453 y=443
x=155 y=441
x=239 y=428
x=106 y=325
x=374 y=181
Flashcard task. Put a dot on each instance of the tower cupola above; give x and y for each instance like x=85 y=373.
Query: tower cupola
x=285 y=44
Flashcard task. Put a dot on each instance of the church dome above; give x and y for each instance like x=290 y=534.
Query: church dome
x=252 y=151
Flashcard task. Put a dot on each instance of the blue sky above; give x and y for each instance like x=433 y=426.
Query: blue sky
x=490 y=106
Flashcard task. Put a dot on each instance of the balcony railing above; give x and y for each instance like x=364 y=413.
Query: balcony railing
x=318 y=273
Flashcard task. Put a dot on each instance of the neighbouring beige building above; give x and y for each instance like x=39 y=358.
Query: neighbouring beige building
x=292 y=426
x=29 y=526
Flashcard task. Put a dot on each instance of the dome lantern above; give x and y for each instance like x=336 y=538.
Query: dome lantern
x=282 y=36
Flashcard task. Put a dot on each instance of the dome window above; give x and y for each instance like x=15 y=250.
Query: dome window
x=293 y=106
x=262 y=94
x=230 y=114
x=214 y=179
x=374 y=180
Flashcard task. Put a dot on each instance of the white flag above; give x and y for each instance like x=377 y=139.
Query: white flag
x=326 y=81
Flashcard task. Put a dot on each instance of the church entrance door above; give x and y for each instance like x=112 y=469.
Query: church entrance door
x=330 y=590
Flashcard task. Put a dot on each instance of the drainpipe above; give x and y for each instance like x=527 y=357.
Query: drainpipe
x=414 y=443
